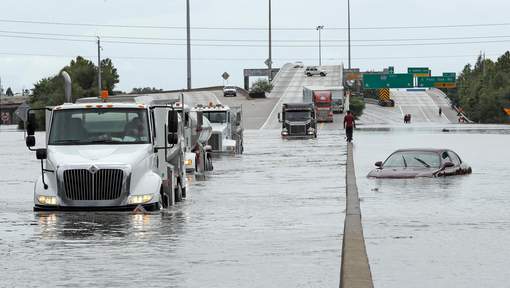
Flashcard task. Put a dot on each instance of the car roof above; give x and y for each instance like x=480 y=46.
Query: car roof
x=434 y=150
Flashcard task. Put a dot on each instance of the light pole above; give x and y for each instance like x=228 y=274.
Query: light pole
x=270 y=59
x=188 y=44
x=349 y=29
x=99 y=88
x=319 y=28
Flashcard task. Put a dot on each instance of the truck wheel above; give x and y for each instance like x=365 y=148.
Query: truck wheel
x=322 y=74
x=164 y=199
x=183 y=192
x=178 y=193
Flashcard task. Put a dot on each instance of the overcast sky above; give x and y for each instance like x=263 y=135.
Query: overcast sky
x=167 y=69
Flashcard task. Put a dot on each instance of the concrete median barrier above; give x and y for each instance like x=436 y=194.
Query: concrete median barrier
x=355 y=271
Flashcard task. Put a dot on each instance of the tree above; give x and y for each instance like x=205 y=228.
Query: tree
x=8 y=92
x=261 y=86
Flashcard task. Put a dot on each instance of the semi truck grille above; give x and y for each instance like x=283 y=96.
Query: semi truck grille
x=297 y=130
x=81 y=184
x=214 y=141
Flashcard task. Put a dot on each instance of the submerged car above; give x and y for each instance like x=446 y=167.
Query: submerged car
x=412 y=163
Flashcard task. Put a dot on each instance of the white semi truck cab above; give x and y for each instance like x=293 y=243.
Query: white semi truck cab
x=109 y=156
x=227 y=129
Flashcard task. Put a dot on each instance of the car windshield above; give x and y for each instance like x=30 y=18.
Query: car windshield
x=229 y=88
x=297 y=115
x=413 y=159
x=99 y=126
x=216 y=116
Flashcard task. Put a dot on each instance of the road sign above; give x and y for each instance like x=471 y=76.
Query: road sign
x=445 y=85
x=391 y=70
x=422 y=75
x=431 y=81
x=268 y=62
x=384 y=94
x=21 y=112
x=450 y=74
x=5 y=117
x=378 y=81
x=225 y=75
x=418 y=70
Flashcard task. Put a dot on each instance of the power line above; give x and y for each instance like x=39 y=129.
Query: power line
x=239 y=59
x=253 y=40
x=250 y=28
x=259 y=46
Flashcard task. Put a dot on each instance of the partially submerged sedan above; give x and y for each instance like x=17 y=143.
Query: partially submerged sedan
x=412 y=163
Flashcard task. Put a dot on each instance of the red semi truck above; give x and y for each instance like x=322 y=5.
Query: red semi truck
x=323 y=103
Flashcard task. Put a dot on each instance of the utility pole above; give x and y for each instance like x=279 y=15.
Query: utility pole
x=319 y=28
x=188 y=32
x=349 y=29
x=270 y=62
x=99 y=88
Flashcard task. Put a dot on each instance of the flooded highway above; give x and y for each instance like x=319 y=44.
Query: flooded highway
x=272 y=217
x=437 y=232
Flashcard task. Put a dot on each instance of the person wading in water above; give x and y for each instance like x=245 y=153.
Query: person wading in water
x=349 y=125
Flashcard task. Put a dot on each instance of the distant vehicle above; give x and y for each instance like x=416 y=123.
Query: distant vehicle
x=387 y=103
x=227 y=127
x=313 y=70
x=229 y=91
x=322 y=100
x=298 y=121
x=298 y=64
x=413 y=163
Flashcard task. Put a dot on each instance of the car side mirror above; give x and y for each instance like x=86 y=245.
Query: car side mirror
x=31 y=124
x=173 y=139
x=173 y=121
x=448 y=165
x=30 y=141
x=378 y=164
x=41 y=154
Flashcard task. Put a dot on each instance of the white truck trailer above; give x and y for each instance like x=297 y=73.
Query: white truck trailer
x=109 y=156
x=227 y=129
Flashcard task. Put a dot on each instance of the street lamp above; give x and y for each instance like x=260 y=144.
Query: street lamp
x=270 y=60
x=349 y=29
x=188 y=45
x=319 y=28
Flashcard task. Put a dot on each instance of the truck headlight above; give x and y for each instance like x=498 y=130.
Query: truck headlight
x=140 y=199
x=285 y=133
x=47 y=200
x=311 y=131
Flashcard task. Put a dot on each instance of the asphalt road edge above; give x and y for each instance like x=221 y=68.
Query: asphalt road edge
x=355 y=268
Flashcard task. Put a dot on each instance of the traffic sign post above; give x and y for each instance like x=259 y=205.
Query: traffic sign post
x=450 y=74
x=378 y=81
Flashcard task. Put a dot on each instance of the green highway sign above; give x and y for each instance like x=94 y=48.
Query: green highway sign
x=391 y=70
x=418 y=70
x=431 y=81
x=450 y=74
x=378 y=81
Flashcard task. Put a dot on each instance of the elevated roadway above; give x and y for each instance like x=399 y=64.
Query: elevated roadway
x=288 y=88
x=422 y=105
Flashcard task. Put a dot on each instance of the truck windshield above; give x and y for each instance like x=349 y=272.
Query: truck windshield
x=297 y=115
x=99 y=126
x=216 y=116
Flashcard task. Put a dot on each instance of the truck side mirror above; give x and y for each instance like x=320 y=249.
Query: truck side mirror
x=200 y=120
x=31 y=124
x=279 y=117
x=173 y=121
x=173 y=138
x=30 y=141
x=41 y=154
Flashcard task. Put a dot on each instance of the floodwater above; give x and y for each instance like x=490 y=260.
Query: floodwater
x=272 y=217
x=442 y=232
